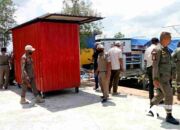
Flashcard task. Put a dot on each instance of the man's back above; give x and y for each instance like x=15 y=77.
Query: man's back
x=4 y=59
x=148 y=55
x=115 y=54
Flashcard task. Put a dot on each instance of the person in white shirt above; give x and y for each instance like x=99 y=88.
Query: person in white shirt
x=115 y=59
x=148 y=65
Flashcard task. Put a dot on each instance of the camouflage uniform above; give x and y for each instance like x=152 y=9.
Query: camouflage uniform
x=176 y=58
x=27 y=75
x=162 y=71
x=102 y=69
x=4 y=70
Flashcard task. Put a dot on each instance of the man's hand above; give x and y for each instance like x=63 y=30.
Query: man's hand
x=27 y=78
x=122 y=69
x=156 y=83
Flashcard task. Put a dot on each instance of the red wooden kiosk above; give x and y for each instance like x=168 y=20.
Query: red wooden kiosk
x=57 y=57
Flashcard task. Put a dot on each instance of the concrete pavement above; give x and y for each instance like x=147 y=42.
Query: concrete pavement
x=84 y=111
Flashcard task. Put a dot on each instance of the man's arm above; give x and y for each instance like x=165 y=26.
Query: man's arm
x=23 y=70
x=174 y=56
x=156 y=58
x=121 y=64
x=121 y=61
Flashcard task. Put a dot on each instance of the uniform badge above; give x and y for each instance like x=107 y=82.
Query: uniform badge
x=154 y=54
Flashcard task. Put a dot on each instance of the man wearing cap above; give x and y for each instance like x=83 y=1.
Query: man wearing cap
x=115 y=59
x=4 y=68
x=27 y=74
x=103 y=70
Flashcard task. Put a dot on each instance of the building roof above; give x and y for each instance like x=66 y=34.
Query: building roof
x=62 y=18
x=112 y=39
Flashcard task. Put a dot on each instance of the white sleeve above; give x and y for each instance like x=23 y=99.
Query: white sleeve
x=120 y=54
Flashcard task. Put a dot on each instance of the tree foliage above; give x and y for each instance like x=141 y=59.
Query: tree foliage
x=83 y=8
x=7 y=21
x=119 y=35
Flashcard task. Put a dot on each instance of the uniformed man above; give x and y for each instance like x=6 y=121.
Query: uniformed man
x=148 y=65
x=4 y=68
x=95 y=57
x=28 y=79
x=104 y=72
x=176 y=58
x=162 y=68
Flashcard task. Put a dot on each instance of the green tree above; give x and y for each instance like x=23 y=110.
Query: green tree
x=7 y=21
x=83 y=8
x=119 y=35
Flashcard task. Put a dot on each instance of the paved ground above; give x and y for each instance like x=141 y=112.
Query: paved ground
x=84 y=111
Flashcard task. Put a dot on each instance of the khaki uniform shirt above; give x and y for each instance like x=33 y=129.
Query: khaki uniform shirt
x=102 y=62
x=4 y=59
x=162 y=63
x=27 y=67
x=176 y=58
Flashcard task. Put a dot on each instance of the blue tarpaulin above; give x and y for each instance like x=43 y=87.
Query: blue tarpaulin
x=90 y=41
x=147 y=42
x=173 y=44
x=139 y=42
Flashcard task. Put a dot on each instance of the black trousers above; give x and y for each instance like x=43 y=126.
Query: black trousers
x=151 y=86
x=114 y=80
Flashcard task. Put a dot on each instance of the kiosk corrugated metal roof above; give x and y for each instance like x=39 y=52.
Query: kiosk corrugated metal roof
x=55 y=17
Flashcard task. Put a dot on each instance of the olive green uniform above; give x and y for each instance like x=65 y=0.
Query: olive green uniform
x=4 y=70
x=102 y=68
x=176 y=58
x=28 y=79
x=162 y=71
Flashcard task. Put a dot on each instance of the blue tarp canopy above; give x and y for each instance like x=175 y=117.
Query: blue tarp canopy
x=139 y=42
x=147 y=42
x=173 y=44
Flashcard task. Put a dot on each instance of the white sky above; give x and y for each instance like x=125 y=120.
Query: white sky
x=134 y=18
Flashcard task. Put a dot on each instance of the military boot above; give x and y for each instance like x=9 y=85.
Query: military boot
x=171 y=119
x=23 y=101
x=39 y=99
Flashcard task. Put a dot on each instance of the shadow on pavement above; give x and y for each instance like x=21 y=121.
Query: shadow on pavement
x=108 y=103
x=168 y=126
x=60 y=100
x=120 y=95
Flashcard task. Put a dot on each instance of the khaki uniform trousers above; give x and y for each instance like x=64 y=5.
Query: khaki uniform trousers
x=166 y=92
x=4 y=76
x=104 y=82
x=29 y=84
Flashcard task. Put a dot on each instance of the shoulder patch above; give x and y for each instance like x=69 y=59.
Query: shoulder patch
x=154 y=55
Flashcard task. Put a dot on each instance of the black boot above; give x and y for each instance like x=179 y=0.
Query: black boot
x=104 y=100
x=171 y=119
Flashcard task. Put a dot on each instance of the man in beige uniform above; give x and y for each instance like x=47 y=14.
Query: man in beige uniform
x=4 y=68
x=176 y=58
x=104 y=73
x=28 y=79
x=162 y=73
